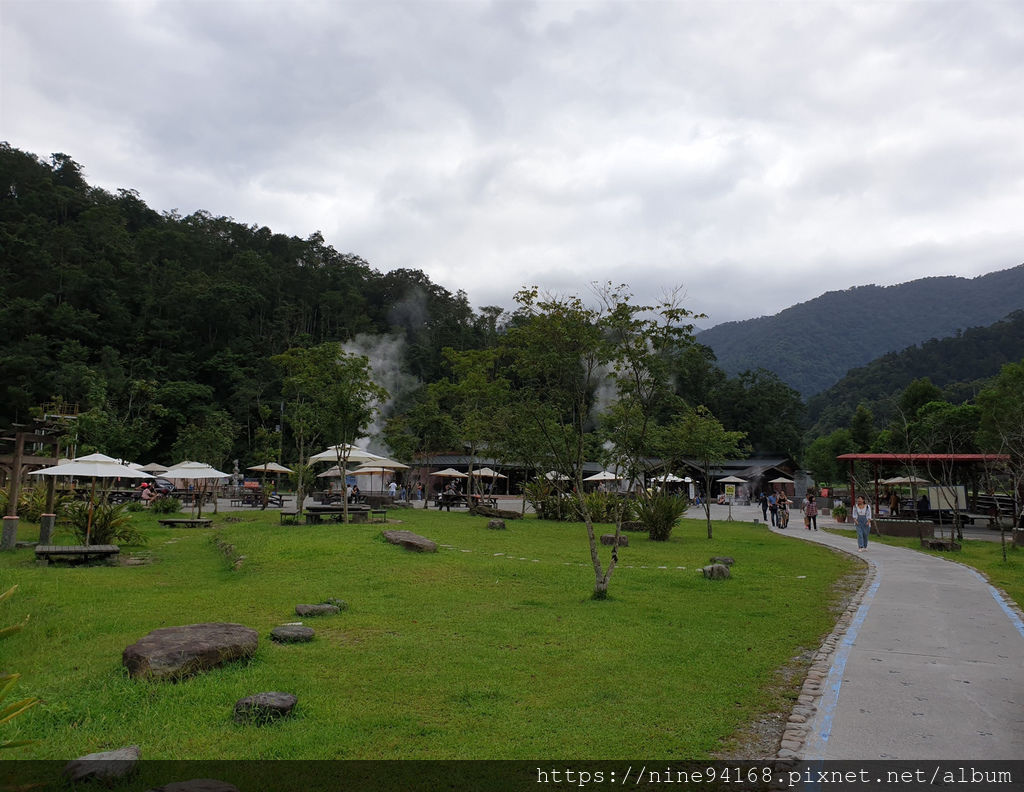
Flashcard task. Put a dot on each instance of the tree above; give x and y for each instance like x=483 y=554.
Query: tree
x=330 y=394
x=862 y=428
x=1001 y=424
x=645 y=345
x=558 y=350
x=820 y=457
x=698 y=435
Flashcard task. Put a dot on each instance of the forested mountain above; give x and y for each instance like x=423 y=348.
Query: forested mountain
x=812 y=344
x=159 y=327
x=152 y=321
x=959 y=365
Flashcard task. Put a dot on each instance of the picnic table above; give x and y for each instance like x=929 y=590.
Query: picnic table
x=48 y=553
x=357 y=513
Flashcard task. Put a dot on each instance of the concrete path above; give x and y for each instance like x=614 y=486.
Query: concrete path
x=931 y=667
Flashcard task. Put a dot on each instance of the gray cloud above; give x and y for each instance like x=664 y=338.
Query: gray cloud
x=758 y=153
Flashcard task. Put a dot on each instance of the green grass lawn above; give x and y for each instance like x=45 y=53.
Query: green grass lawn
x=490 y=648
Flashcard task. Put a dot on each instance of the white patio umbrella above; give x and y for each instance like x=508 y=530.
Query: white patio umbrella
x=604 y=475
x=153 y=467
x=195 y=471
x=372 y=470
x=449 y=473
x=352 y=455
x=781 y=480
x=738 y=480
x=486 y=472
x=912 y=480
x=92 y=466
x=270 y=467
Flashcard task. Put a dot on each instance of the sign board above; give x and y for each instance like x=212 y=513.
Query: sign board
x=948 y=497
x=730 y=491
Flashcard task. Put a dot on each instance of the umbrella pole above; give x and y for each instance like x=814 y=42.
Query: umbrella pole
x=88 y=521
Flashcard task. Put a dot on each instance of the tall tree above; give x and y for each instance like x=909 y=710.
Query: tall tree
x=699 y=436
x=559 y=350
x=331 y=395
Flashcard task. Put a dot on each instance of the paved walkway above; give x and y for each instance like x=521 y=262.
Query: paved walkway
x=931 y=666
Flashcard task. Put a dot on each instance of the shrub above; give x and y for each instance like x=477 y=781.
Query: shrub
x=839 y=512
x=165 y=505
x=32 y=503
x=110 y=523
x=660 y=514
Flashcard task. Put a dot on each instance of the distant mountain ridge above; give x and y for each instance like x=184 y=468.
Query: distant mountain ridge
x=959 y=365
x=811 y=345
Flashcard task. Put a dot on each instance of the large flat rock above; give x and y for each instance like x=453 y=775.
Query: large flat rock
x=410 y=541
x=177 y=652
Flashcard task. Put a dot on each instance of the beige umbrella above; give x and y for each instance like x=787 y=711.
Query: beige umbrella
x=350 y=453
x=449 y=473
x=153 y=467
x=911 y=480
x=486 y=472
x=270 y=467
x=604 y=475
x=195 y=471
x=92 y=466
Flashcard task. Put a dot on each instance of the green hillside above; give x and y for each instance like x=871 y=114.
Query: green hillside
x=958 y=365
x=812 y=344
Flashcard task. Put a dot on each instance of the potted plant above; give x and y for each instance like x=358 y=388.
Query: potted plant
x=839 y=513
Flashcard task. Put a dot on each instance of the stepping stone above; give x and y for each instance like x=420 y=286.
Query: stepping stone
x=178 y=652
x=410 y=541
x=264 y=707
x=107 y=765
x=323 y=609
x=197 y=785
x=292 y=633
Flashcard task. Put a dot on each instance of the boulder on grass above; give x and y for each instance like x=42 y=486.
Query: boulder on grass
x=264 y=707
x=410 y=541
x=292 y=633
x=103 y=766
x=322 y=609
x=715 y=572
x=177 y=652
x=727 y=560
x=609 y=539
x=496 y=525
x=198 y=785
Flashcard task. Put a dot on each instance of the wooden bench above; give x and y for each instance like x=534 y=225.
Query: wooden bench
x=47 y=553
x=185 y=522
x=375 y=513
x=289 y=518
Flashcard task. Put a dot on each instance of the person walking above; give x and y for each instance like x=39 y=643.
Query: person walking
x=773 y=507
x=762 y=500
x=810 y=511
x=862 y=519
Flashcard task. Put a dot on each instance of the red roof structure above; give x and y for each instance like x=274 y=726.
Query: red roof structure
x=903 y=459
x=880 y=460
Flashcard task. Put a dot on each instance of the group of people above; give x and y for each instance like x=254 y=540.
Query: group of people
x=777 y=505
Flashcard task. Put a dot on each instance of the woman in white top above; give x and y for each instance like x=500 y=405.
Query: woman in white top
x=862 y=519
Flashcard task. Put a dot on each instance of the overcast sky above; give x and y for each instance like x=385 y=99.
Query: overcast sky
x=758 y=154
